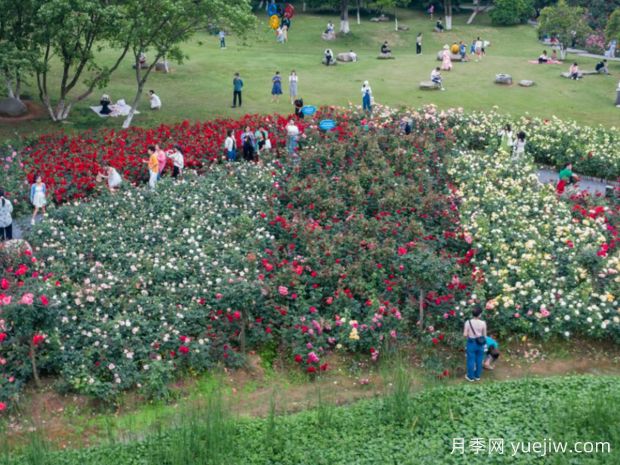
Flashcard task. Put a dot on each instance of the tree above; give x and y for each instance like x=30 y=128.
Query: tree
x=510 y=12
x=17 y=51
x=339 y=5
x=70 y=31
x=392 y=4
x=447 y=8
x=597 y=11
x=563 y=21
x=612 y=31
x=159 y=27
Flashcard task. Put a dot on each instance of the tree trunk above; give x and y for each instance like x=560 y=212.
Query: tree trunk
x=9 y=86
x=395 y=21
x=344 y=17
x=359 y=19
x=303 y=7
x=448 y=13
x=33 y=363
x=134 y=105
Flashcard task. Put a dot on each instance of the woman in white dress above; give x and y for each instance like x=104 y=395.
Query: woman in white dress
x=37 y=197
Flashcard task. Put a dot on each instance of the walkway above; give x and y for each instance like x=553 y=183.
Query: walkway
x=593 y=186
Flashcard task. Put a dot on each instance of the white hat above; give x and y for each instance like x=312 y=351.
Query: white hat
x=365 y=83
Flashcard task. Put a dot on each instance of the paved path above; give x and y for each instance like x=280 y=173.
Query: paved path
x=546 y=176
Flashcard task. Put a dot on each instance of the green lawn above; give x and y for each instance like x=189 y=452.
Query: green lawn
x=200 y=88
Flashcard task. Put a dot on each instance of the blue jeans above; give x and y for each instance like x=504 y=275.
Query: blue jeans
x=475 y=354
x=232 y=155
x=291 y=144
x=366 y=102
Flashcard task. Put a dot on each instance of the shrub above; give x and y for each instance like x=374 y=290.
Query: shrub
x=511 y=12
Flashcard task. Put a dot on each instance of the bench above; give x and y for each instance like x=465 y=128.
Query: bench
x=453 y=56
x=386 y=56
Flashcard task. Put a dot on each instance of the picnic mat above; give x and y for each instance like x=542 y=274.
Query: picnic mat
x=120 y=108
x=549 y=62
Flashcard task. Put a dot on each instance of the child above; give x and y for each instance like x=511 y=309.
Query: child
x=366 y=97
x=276 y=87
x=222 y=35
x=161 y=160
x=492 y=354
x=178 y=161
x=155 y=100
x=114 y=179
x=37 y=197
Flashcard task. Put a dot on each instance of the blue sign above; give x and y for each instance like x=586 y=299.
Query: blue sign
x=308 y=110
x=327 y=125
x=272 y=9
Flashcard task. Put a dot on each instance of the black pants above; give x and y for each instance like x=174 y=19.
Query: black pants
x=6 y=234
x=175 y=172
x=418 y=48
x=328 y=60
x=236 y=95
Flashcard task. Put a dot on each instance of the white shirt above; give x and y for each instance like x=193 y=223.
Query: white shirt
x=366 y=89
x=479 y=44
x=177 y=159
x=292 y=130
x=114 y=179
x=229 y=143
x=520 y=146
x=353 y=56
x=5 y=213
x=292 y=78
x=155 y=101
x=435 y=74
x=479 y=328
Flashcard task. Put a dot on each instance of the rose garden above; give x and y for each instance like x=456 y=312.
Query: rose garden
x=309 y=309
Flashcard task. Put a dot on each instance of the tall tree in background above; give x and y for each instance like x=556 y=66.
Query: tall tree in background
x=597 y=11
x=612 y=31
x=18 y=54
x=392 y=4
x=563 y=21
x=159 y=27
x=70 y=32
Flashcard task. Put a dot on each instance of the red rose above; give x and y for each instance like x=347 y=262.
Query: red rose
x=4 y=284
x=3 y=337
x=44 y=300
x=435 y=340
x=184 y=349
x=311 y=369
x=37 y=339
x=298 y=358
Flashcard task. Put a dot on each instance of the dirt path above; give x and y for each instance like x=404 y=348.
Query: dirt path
x=70 y=421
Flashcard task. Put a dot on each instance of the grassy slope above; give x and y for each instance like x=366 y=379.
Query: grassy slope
x=201 y=87
x=399 y=429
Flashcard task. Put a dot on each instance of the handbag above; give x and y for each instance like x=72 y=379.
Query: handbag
x=480 y=340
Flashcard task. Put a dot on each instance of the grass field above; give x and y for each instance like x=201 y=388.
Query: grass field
x=200 y=88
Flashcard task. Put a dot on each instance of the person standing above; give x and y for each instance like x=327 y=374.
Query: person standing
x=478 y=49
x=161 y=160
x=475 y=331
x=222 y=35
x=276 y=87
x=292 y=86
x=230 y=144
x=418 y=44
x=292 y=134
x=520 y=146
x=506 y=139
x=366 y=97
x=178 y=161
x=155 y=100
x=431 y=10
x=37 y=197
x=153 y=165
x=237 y=88
x=6 y=218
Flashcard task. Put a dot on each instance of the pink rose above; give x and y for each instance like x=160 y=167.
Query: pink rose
x=283 y=290
x=27 y=299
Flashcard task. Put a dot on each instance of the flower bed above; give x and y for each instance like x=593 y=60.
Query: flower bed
x=550 y=266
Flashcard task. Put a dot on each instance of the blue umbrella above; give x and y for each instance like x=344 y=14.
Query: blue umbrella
x=327 y=124
x=308 y=110
x=272 y=9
